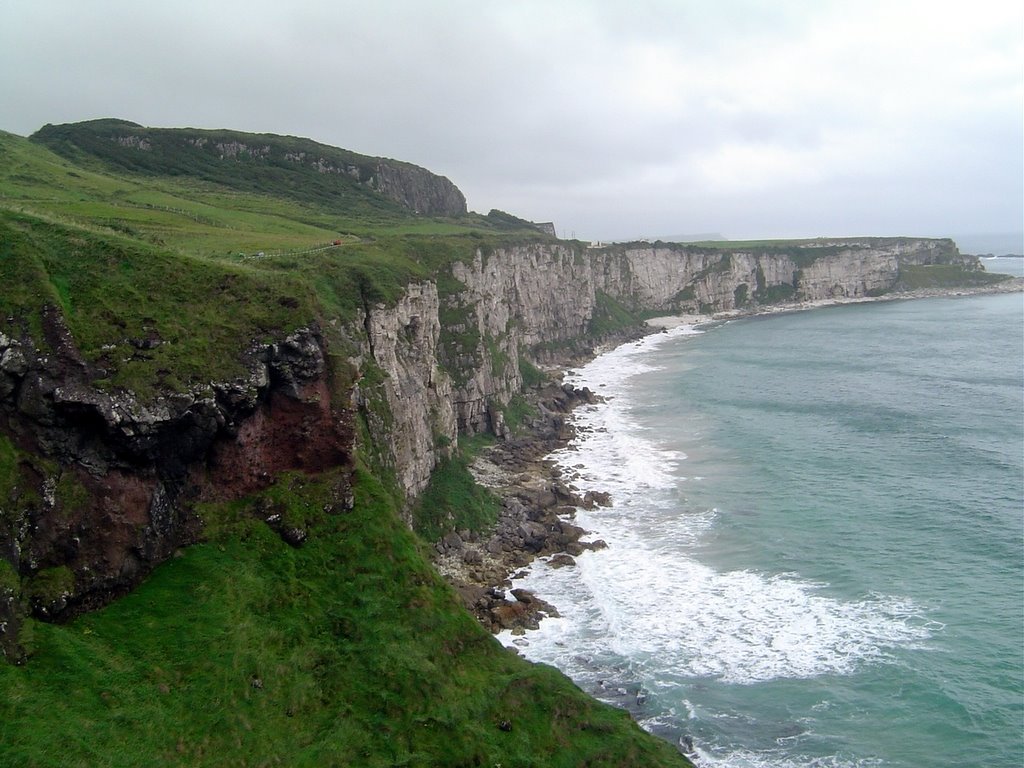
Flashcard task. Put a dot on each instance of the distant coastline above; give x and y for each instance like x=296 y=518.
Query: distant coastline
x=990 y=243
x=538 y=501
x=1012 y=285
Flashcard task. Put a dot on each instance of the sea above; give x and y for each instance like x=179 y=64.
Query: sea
x=815 y=549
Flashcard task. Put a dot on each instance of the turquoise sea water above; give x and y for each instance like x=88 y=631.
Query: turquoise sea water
x=816 y=548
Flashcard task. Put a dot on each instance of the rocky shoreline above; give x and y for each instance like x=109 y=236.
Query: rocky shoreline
x=535 y=520
x=538 y=504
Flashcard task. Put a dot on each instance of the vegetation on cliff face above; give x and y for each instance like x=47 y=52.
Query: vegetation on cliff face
x=912 y=278
x=121 y=254
x=188 y=314
x=308 y=628
x=453 y=502
x=280 y=166
x=611 y=316
x=347 y=651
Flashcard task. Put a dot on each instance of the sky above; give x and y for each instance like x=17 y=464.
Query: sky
x=613 y=119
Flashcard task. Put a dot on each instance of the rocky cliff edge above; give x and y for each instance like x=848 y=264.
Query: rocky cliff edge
x=102 y=487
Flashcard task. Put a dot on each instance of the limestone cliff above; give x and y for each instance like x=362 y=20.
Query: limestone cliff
x=106 y=486
x=685 y=278
x=403 y=341
x=453 y=361
x=418 y=189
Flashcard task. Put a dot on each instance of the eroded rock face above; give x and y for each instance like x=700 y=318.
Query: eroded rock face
x=673 y=278
x=521 y=300
x=418 y=189
x=514 y=300
x=403 y=341
x=109 y=494
x=546 y=291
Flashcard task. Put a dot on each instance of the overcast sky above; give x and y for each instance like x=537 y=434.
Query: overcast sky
x=613 y=119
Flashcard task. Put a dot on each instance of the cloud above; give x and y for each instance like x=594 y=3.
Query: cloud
x=613 y=119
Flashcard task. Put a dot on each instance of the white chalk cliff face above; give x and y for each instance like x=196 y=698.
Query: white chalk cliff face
x=688 y=279
x=452 y=361
x=545 y=291
x=444 y=360
x=404 y=342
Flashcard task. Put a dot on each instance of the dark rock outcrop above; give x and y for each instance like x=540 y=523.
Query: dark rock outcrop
x=106 y=483
x=418 y=189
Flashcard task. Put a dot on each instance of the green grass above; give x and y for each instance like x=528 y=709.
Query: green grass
x=813 y=242
x=741 y=245
x=189 y=198
x=612 y=316
x=263 y=166
x=191 y=203
x=51 y=584
x=121 y=250
x=533 y=376
x=8 y=462
x=944 y=276
x=803 y=253
x=114 y=292
x=518 y=413
x=453 y=502
x=740 y=295
x=19 y=496
x=347 y=651
x=775 y=294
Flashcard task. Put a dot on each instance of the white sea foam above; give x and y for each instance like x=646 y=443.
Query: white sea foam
x=778 y=759
x=647 y=613
x=649 y=601
x=660 y=609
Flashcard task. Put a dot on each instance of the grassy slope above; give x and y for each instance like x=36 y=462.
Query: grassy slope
x=285 y=167
x=200 y=213
x=121 y=254
x=92 y=277
x=348 y=651
x=363 y=656
x=935 y=276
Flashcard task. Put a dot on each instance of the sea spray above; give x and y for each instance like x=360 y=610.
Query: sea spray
x=747 y=618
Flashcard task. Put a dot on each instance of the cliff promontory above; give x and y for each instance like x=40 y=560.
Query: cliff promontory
x=284 y=166
x=444 y=364
x=230 y=364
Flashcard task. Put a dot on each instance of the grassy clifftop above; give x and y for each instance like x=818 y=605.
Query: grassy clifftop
x=244 y=650
x=122 y=251
x=348 y=651
x=281 y=166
